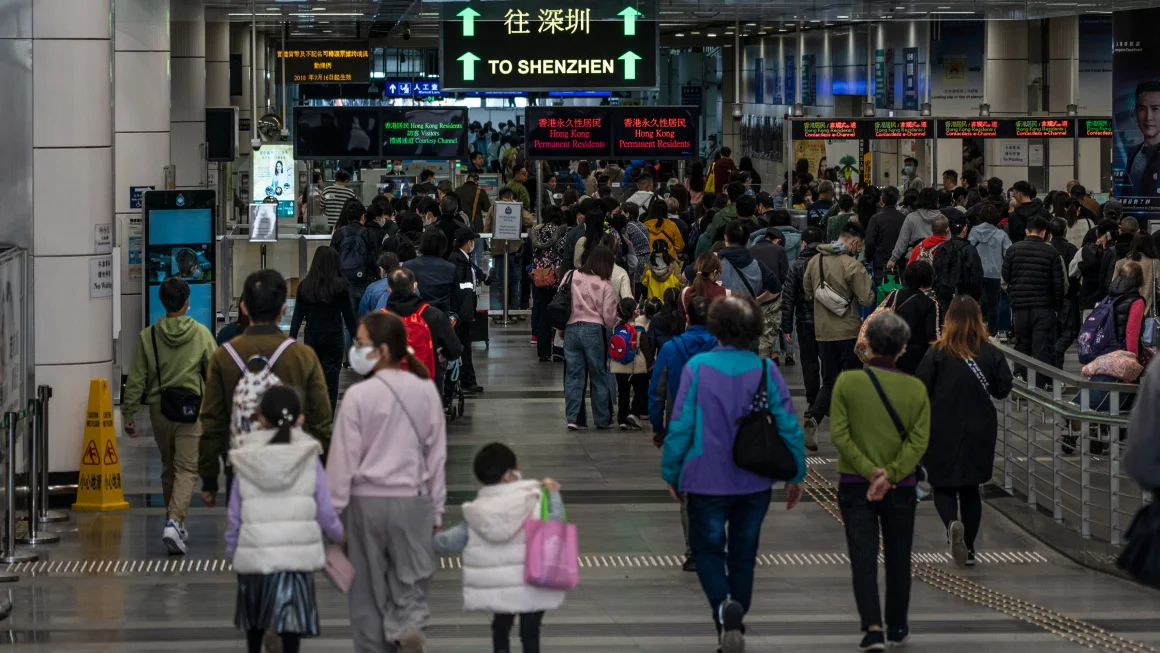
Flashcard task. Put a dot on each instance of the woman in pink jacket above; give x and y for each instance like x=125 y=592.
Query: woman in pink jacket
x=386 y=474
x=586 y=339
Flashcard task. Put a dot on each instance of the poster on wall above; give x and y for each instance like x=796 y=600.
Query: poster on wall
x=910 y=79
x=814 y=152
x=273 y=176
x=1136 y=111
x=890 y=78
x=773 y=90
x=1095 y=64
x=11 y=365
x=880 y=79
x=956 y=66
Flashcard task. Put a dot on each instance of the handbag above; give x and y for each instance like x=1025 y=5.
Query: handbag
x=552 y=559
x=559 y=309
x=862 y=345
x=758 y=446
x=890 y=283
x=180 y=405
x=832 y=300
x=919 y=472
x=1150 y=331
x=1121 y=364
x=1140 y=558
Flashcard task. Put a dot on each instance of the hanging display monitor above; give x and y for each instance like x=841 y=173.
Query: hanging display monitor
x=429 y=132
x=568 y=132
x=1037 y=128
x=907 y=128
x=180 y=241
x=825 y=129
x=655 y=132
x=273 y=176
x=968 y=128
x=326 y=62
x=527 y=45
x=1096 y=128
x=336 y=133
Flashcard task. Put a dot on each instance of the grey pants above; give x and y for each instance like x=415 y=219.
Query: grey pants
x=390 y=544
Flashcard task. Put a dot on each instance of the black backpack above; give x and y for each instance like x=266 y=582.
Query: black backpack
x=354 y=255
x=758 y=446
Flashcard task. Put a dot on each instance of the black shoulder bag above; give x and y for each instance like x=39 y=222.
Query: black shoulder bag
x=919 y=472
x=758 y=446
x=559 y=309
x=180 y=405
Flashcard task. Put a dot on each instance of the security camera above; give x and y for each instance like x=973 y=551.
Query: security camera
x=256 y=144
x=406 y=31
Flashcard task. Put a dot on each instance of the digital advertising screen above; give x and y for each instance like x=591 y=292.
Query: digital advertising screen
x=523 y=44
x=568 y=132
x=655 y=132
x=434 y=132
x=273 y=176
x=180 y=241
x=968 y=128
x=336 y=133
x=1136 y=112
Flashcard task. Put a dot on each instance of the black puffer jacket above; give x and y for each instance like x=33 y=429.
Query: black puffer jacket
x=1124 y=292
x=977 y=208
x=793 y=299
x=958 y=270
x=1034 y=274
x=1017 y=220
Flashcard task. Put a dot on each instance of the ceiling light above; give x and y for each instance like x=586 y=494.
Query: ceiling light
x=318 y=9
x=842 y=17
x=728 y=45
x=944 y=7
x=241 y=14
x=326 y=14
x=695 y=33
x=672 y=12
x=762 y=33
x=679 y=34
x=272 y=9
x=781 y=30
x=952 y=12
x=751 y=24
x=712 y=35
x=327 y=31
x=815 y=21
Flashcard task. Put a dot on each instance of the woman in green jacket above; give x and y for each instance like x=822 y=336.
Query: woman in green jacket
x=878 y=454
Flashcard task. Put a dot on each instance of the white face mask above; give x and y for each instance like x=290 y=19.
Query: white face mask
x=359 y=361
x=516 y=475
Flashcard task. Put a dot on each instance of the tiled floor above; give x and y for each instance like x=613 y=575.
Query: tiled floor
x=632 y=596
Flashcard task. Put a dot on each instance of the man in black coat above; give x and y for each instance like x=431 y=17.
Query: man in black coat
x=797 y=310
x=958 y=270
x=882 y=232
x=1034 y=273
x=434 y=274
x=1027 y=206
x=993 y=195
x=468 y=276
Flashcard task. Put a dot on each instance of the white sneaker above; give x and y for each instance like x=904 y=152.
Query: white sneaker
x=182 y=532
x=171 y=536
x=634 y=421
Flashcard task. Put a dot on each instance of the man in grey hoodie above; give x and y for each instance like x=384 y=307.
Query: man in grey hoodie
x=991 y=243
x=917 y=224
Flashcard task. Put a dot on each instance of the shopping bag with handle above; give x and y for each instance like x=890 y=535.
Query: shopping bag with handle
x=553 y=552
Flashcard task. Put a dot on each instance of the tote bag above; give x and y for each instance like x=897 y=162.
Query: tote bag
x=552 y=558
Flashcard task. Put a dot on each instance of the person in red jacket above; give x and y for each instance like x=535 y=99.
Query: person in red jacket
x=940 y=229
x=724 y=167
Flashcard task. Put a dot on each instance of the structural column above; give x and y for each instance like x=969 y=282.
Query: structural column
x=217 y=61
x=1005 y=88
x=141 y=133
x=240 y=45
x=60 y=127
x=187 y=113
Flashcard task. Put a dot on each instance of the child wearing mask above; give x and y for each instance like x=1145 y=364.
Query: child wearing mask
x=492 y=540
x=662 y=272
x=280 y=508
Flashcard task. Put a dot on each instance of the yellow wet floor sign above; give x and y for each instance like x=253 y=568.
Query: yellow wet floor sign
x=99 y=485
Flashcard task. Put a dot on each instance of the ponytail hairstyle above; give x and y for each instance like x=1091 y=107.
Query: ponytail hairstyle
x=387 y=330
x=280 y=408
x=626 y=310
x=707 y=266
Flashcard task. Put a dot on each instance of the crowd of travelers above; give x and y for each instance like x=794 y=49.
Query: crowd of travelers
x=673 y=306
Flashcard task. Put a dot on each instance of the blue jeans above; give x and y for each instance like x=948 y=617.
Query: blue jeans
x=895 y=513
x=726 y=575
x=586 y=348
x=497 y=275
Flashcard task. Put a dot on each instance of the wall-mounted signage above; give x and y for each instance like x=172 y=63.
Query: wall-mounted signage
x=580 y=44
x=625 y=132
x=968 y=128
x=409 y=88
x=437 y=133
x=920 y=128
x=655 y=132
x=326 y=62
x=825 y=129
x=1037 y=128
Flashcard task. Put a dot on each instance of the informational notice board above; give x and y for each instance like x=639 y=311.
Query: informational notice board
x=507 y=220
x=326 y=62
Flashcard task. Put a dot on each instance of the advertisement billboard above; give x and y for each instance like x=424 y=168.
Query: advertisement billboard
x=272 y=176
x=1136 y=111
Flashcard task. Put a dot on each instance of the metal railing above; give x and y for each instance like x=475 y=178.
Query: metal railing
x=1061 y=440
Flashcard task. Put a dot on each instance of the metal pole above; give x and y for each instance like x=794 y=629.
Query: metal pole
x=870 y=62
x=507 y=273
x=253 y=72
x=32 y=456
x=46 y=516
x=9 y=553
x=801 y=52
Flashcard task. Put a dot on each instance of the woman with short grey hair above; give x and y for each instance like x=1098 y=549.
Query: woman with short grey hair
x=878 y=454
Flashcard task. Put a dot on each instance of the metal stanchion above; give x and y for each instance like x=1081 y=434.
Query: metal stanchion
x=32 y=456
x=507 y=273
x=46 y=516
x=9 y=553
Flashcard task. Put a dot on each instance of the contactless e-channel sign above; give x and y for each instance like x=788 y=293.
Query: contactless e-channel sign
x=549 y=45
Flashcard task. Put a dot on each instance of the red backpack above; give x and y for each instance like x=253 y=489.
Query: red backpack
x=419 y=339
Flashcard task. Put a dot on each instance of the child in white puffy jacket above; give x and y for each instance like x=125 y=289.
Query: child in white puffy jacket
x=492 y=540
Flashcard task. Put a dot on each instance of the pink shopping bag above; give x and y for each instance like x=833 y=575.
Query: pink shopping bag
x=553 y=552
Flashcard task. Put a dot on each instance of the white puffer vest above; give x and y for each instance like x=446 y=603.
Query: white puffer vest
x=279 y=530
x=493 y=560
